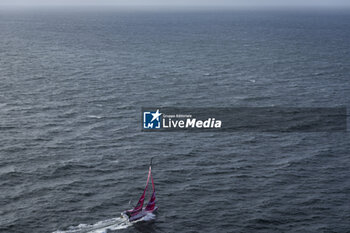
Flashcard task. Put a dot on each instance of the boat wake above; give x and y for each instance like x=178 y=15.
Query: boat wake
x=105 y=226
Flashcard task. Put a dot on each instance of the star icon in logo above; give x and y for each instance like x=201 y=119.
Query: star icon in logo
x=156 y=115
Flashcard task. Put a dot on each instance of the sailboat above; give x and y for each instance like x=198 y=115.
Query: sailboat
x=138 y=212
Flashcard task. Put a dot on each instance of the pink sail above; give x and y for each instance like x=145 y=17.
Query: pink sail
x=139 y=205
x=139 y=212
x=152 y=202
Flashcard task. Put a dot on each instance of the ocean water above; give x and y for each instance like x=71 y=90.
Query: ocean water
x=72 y=154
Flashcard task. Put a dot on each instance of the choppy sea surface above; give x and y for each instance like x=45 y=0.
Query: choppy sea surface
x=72 y=154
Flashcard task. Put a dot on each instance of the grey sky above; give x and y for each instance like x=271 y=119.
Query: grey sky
x=325 y=3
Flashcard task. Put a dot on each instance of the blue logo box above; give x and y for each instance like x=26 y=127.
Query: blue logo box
x=152 y=120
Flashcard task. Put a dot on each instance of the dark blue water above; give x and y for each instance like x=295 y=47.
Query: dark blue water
x=72 y=84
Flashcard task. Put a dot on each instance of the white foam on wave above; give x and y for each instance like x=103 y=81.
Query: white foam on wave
x=94 y=116
x=113 y=224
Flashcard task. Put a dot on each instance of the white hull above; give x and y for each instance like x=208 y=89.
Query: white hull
x=138 y=216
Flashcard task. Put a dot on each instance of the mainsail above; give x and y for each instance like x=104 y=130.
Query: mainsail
x=139 y=205
x=152 y=202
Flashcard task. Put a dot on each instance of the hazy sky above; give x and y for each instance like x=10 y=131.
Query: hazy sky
x=330 y=3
